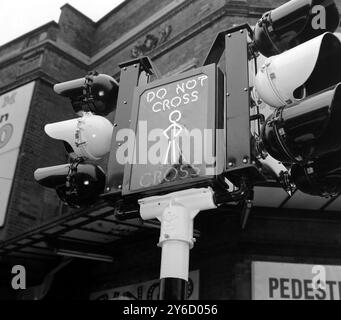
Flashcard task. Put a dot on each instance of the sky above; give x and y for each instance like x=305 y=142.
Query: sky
x=19 y=16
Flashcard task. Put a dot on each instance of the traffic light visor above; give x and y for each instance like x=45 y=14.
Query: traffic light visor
x=298 y=73
x=89 y=136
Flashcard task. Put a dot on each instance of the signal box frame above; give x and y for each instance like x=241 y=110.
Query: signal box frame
x=133 y=73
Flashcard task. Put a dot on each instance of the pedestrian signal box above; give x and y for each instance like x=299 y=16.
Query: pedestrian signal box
x=176 y=138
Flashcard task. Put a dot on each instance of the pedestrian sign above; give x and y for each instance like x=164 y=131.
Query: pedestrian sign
x=174 y=132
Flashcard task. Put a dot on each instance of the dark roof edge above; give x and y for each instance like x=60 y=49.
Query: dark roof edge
x=119 y=7
x=67 y=5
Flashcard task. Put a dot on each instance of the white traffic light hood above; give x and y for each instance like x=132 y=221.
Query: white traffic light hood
x=89 y=136
x=282 y=79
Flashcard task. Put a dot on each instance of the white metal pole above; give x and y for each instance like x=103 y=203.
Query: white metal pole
x=176 y=240
x=175 y=260
x=176 y=212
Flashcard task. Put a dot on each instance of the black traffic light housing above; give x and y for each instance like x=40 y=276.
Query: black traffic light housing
x=96 y=93
x=86 y=138
x=302 y=80
x=77 y=184
x=321 y=177
x=305 y=131
x=292 y=24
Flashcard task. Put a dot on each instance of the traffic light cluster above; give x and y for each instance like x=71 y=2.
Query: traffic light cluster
x=87 y=139
x=301 y=80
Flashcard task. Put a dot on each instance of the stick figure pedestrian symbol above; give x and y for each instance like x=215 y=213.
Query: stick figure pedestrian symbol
x=172 y=133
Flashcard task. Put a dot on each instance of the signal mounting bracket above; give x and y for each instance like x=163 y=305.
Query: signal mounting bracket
x=134 y=73
x=235 y=43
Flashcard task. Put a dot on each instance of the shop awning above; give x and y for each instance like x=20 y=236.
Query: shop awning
x=88 y=233
x=91 y=233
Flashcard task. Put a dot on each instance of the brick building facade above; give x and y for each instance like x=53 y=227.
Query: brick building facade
x=176 y=35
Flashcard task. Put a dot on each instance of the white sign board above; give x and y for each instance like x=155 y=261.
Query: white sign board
x=14 y=107
x=289 y=281
x=146 y=291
